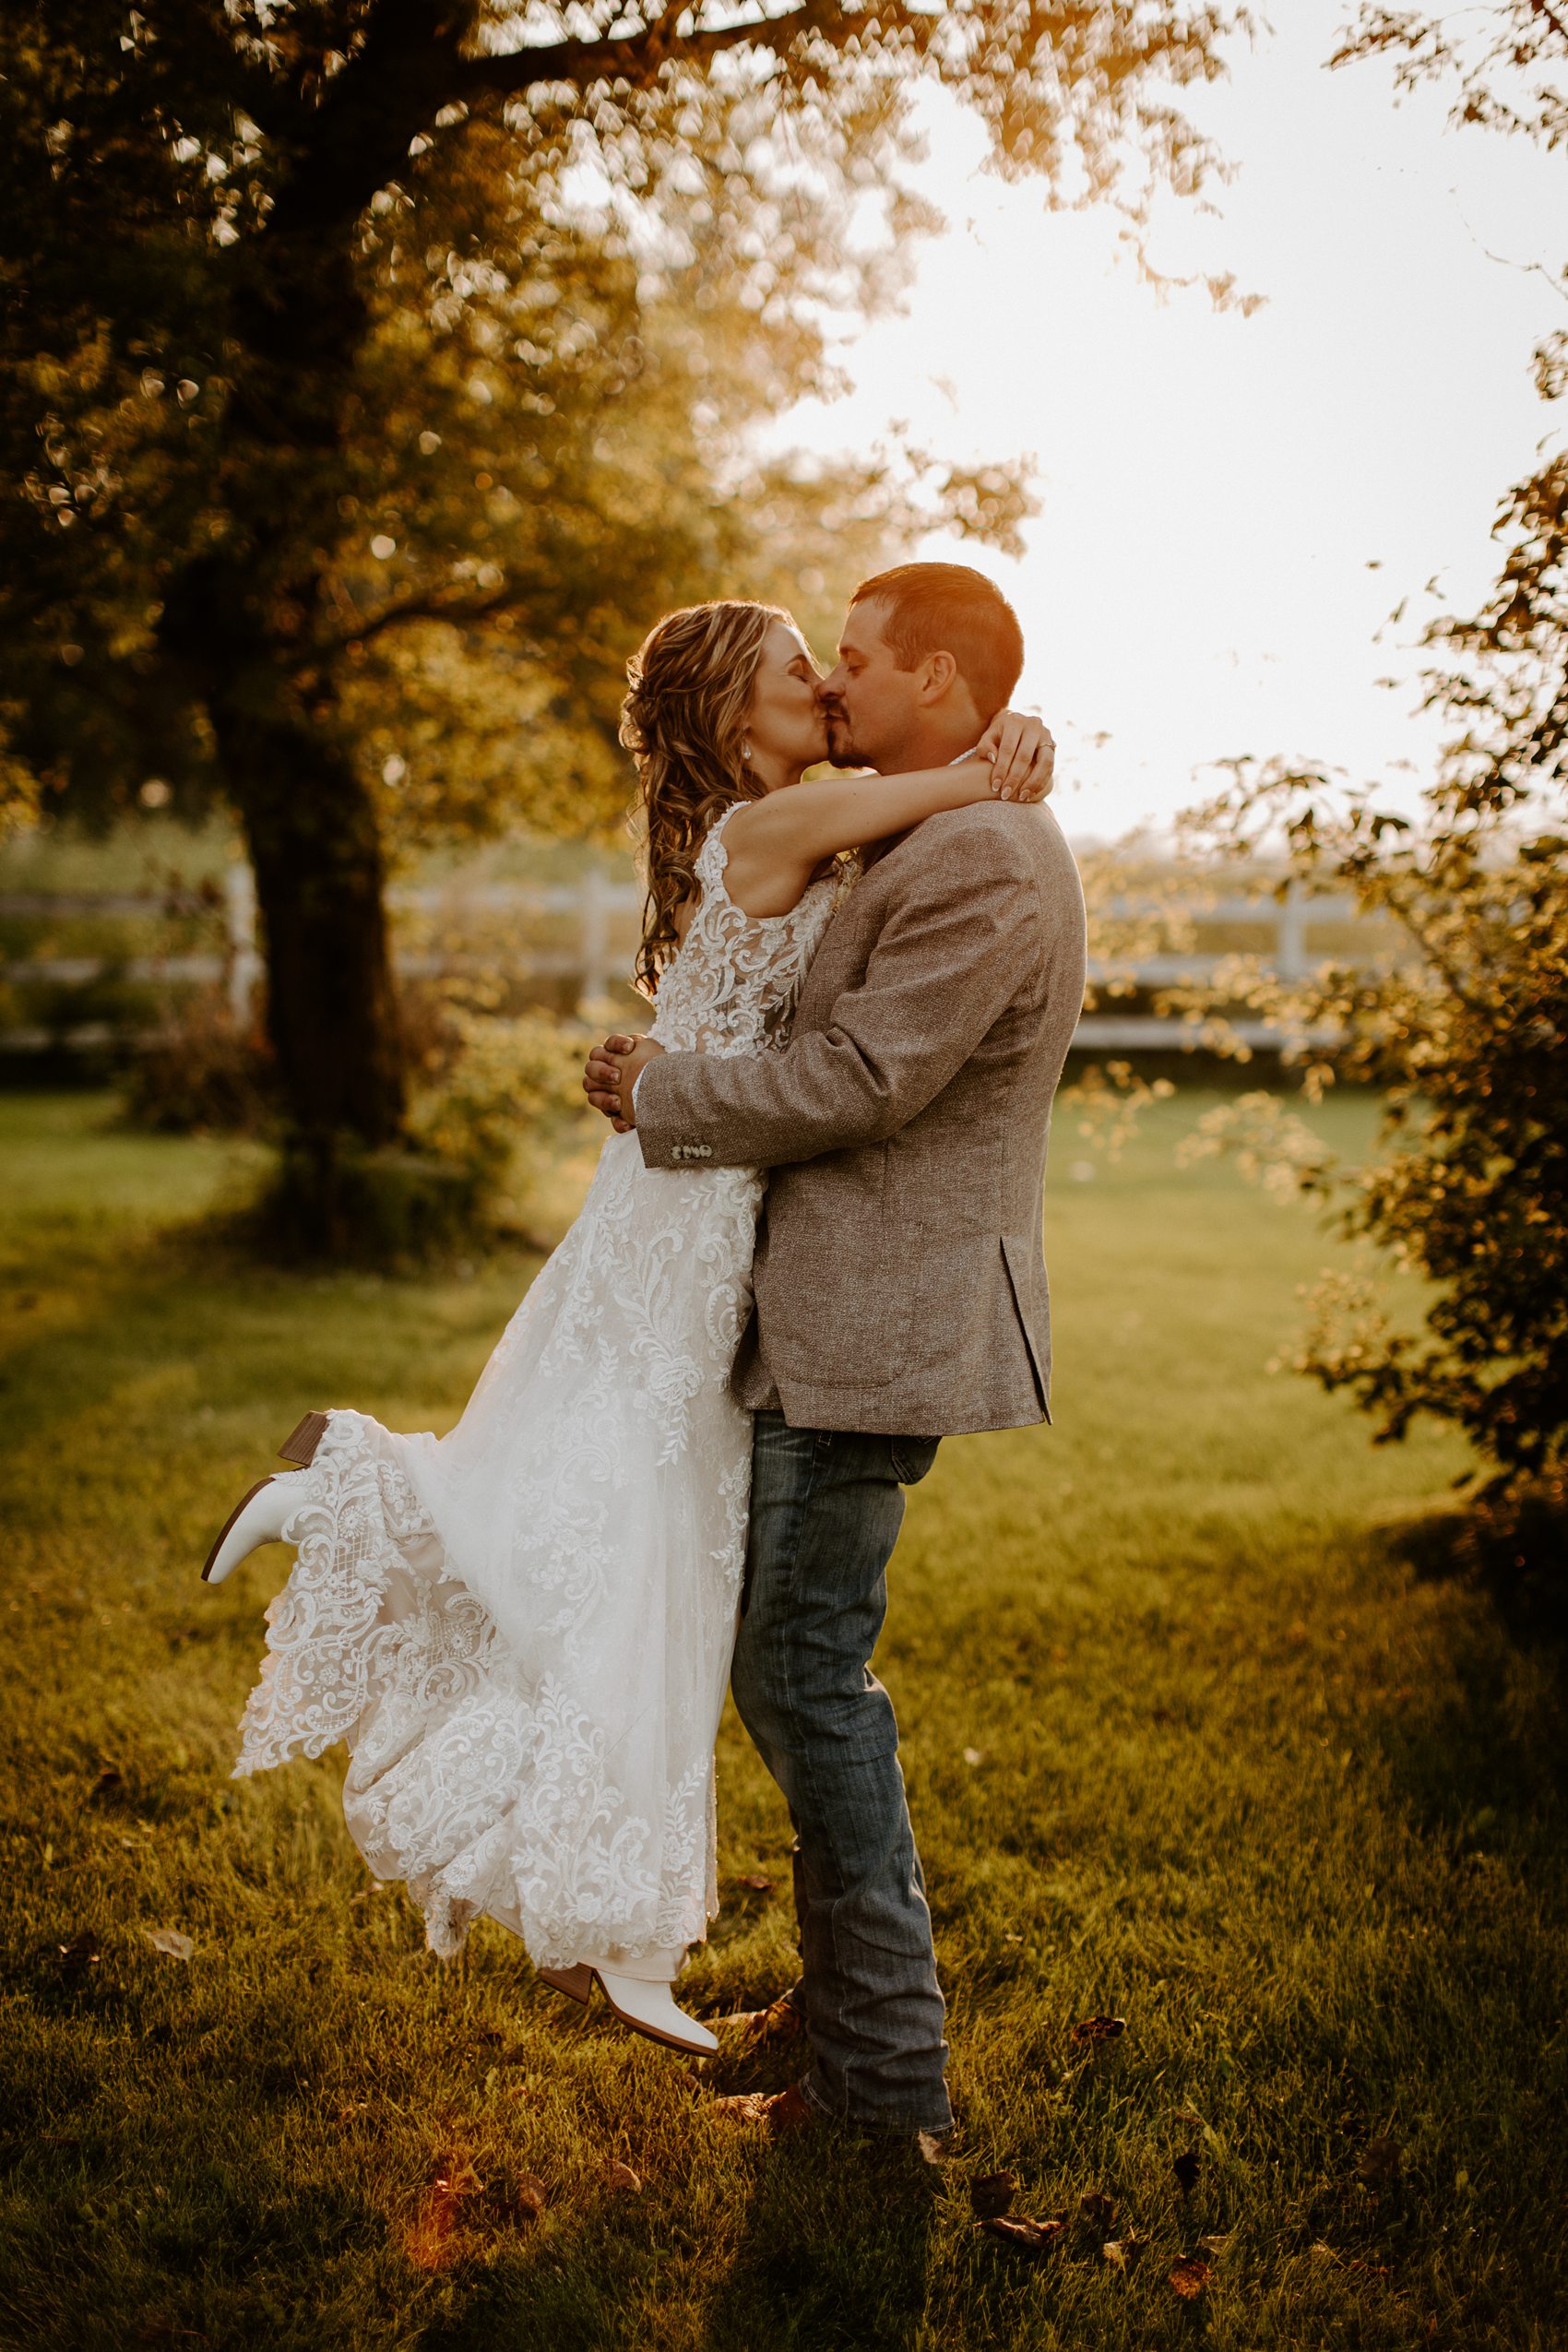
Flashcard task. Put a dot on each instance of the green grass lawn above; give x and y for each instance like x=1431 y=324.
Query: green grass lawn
x=1187 y=1742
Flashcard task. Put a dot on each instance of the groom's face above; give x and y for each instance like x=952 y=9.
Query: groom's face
x=870 y=704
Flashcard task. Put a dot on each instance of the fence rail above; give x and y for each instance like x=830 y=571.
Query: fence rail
x=593 y=904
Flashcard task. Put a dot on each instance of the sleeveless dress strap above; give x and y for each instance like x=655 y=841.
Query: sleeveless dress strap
x=712 y=857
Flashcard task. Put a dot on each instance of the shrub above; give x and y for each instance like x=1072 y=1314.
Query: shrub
x=1467 y=1034
x=508 y=1098
x=199 y=1072
x=500 y=1098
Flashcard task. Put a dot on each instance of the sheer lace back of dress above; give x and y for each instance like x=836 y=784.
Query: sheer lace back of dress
x=732 y=985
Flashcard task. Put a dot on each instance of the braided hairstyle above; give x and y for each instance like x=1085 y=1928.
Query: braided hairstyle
x=684 y=720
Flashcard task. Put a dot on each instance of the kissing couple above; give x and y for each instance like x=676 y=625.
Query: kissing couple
x=810 y=1250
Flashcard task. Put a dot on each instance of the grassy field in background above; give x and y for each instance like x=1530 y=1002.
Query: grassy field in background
x=1188 y=1740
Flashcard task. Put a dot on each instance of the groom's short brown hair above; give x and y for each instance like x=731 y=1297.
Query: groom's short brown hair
x=947 y=608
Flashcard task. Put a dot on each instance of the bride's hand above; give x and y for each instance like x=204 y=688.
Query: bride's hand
x=632 y=1066
x=611 y=1071
x=1022 y=752
x=601 y=1078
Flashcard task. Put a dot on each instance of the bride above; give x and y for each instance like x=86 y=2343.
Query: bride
x=521 y=1632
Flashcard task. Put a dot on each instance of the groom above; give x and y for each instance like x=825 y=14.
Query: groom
x=900 y=1292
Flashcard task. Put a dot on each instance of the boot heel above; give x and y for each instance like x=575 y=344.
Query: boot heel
x=299 y=1445
x=575 y=1983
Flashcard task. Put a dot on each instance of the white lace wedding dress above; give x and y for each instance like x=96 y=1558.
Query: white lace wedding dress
x=522 y=1631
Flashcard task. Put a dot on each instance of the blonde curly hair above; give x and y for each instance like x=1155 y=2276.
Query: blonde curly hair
x=684 y=720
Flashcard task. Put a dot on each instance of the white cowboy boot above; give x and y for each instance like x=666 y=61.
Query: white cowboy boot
x=260 y=1516
x=638 y=1992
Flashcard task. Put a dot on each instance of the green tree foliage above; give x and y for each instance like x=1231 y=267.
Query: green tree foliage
x=1467 y=1029
x=372 y=370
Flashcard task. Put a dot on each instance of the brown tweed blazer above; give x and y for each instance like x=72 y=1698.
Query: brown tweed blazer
x=899 y=1280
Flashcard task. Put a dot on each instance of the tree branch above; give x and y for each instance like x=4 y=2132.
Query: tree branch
x=434 y=604
x=414 y=64
x=638 y=59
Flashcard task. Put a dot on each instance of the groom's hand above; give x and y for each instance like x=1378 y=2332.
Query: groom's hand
x=1022 y=752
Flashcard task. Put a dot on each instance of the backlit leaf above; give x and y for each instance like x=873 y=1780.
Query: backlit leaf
x=1025 y=2236
x=170 y=1940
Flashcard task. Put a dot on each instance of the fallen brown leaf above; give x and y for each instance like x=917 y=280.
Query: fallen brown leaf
x=756 y=1886
x=1097 y=2208
x=1189 y=2276
x=533 y=2195
x=742 y=2107
x=1098 y=2029
x=991 y=2195
x=1186 y=2166
x=1378 y=2167
x=780 y=2021
x=621 y=2176
x=1018 y=2230
x=1122 y=2253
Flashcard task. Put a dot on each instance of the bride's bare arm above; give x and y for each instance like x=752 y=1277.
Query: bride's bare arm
x=774 y=845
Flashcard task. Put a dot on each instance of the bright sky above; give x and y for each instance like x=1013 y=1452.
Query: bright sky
x=1215 y=489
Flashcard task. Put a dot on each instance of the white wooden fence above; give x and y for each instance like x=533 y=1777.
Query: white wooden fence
x=594 y=903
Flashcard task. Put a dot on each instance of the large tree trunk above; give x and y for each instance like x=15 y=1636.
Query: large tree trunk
x=311 y=829
x=331 y=1006
x=240 y=618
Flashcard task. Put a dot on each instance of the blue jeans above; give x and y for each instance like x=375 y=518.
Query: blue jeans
x=827 y=1506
